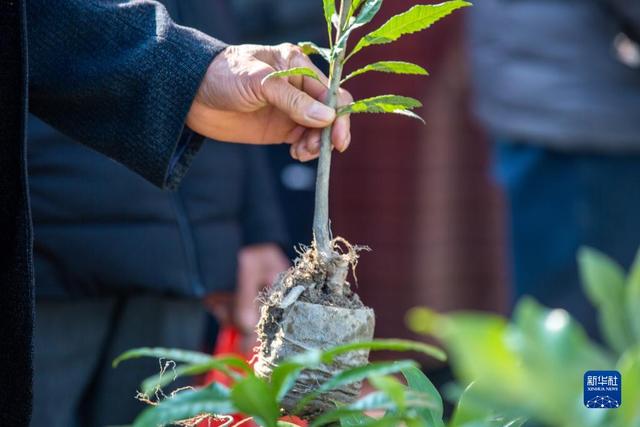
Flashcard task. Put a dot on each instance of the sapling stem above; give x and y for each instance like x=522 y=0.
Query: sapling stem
x=321 y=227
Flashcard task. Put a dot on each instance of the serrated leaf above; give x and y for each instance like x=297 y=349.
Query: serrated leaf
x=394 y=67
x=310 y=48
x=296 y=71
x=416 y=19
x=213 y=399
x=384 y=104
x=381 y=104
x=329 y=7
x=254 y=397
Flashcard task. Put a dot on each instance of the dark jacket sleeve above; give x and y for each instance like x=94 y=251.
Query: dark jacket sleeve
x=119 y=76
x=262 y=220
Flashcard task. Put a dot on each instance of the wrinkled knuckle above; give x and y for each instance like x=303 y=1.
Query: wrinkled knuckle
x=297 y=103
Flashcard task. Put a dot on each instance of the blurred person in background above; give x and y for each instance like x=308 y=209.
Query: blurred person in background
x=121 y=264
x=563 y=108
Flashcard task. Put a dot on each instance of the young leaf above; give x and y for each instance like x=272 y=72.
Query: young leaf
x=296 y=71
x=368 y=12
x=354 y=375
x=384 y=104
x=415 y=19
x=329 y=7
x=310 y=48
x=254 y=397
x=213 y=399
x=418 y=381
x=394 y=67
x=381 y=104
x=385 y=344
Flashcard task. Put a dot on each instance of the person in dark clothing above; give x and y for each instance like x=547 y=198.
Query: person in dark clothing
x=564 y=113
x=99 y=71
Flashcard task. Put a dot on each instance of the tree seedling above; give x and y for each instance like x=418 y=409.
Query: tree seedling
x=311 y=305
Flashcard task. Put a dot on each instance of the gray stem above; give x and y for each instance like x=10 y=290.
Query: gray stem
x=321 y=228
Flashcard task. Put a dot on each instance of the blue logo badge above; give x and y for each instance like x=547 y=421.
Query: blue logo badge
x=602 y=389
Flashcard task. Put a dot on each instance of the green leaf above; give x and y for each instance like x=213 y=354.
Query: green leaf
x=603 y=281
x=418 y=381
x=393 y=388
x=284 y=377
x=164 y=353
x=254 y=397
x=368 y=12
x=310 y=48
x=213 y=399
x=329 y=7
x=415 y=19
x=296 y=71
x=394 y=67
x=357 y=374
x=381 y=104
x=629 y=367
x=385 y=344
x=376 y=401
x=355 y=419
x=222 y=364
x=633 y=298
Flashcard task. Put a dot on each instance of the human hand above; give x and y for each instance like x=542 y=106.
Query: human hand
x=234 y=105
x=258 y=267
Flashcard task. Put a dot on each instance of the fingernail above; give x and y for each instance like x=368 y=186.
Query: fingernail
x=345 y=145
x=321 y=112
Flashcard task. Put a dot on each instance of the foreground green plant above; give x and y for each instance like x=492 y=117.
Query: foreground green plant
x=533 y=367
x=416 y=403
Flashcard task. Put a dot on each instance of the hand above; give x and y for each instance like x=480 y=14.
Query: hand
x=258 y=267
x=234 y=105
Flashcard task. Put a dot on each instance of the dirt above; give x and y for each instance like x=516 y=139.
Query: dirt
x=312 y=306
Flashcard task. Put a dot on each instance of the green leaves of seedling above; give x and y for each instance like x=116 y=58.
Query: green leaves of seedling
x=296 y=71
x=415 y=19
x=310 y=48
x=384 y=104
x=394 y=67
x=254 y=397
x=329 y=7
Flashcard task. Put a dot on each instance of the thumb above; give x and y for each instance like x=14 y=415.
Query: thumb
x=297 y=104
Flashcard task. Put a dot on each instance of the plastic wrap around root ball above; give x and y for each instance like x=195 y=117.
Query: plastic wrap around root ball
x=312 y=307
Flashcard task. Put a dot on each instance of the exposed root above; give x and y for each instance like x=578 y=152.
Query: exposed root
x=312 y=306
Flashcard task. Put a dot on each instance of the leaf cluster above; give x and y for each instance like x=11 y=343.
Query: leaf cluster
x=359 y=14
x=532 y=367
x=416 y=403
